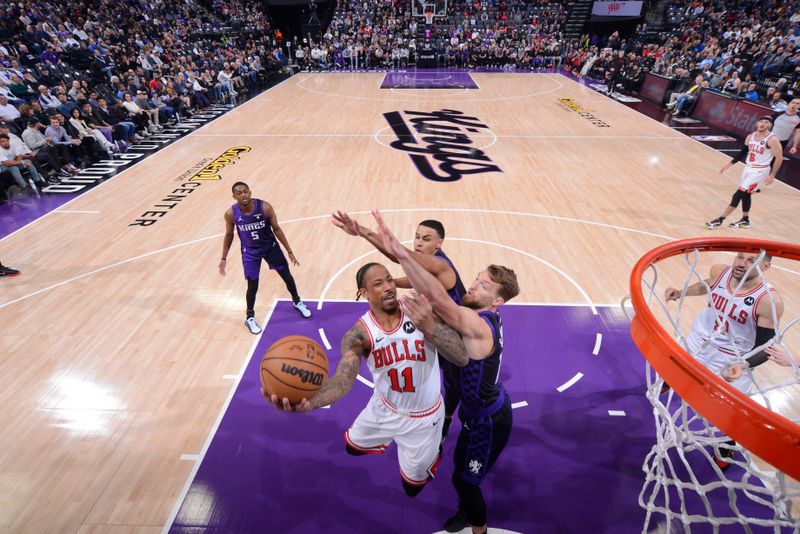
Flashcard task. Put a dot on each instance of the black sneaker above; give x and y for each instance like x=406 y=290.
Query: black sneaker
x=457 y=523
x=742 y=223
x=8 y=271
x=713 y=225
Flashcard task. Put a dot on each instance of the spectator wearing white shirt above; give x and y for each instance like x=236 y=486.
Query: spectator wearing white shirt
x=7 y=111
x=16 y=163
x=139 y=116
x=224 y=78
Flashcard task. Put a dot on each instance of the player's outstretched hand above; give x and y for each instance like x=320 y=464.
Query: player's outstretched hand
x=390 y=241
x=725 y=168
x=294 y=260
x=284 y=405
x=671 y=294
x=420 y=311
x=221 y=267
x=345 y=222
x=733 y=372
x=779 y=356
x=769 y=180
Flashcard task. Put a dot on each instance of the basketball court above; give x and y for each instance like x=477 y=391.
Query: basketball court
x=129 y=381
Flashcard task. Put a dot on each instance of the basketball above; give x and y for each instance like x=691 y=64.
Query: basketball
x=294 y=367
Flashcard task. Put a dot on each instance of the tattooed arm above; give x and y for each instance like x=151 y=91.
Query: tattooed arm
x=444 y=338
x=355 y=345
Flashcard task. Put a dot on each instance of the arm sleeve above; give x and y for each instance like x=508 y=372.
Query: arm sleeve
x=762 y=336
x=740 y=155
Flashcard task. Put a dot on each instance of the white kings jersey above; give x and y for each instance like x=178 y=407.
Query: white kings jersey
x=759 y=154
x=405 y=367
x=736 y=313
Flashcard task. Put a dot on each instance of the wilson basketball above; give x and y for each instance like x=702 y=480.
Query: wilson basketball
x=294 y=367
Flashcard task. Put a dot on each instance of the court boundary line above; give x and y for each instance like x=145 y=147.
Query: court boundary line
x=546 y=263
x=142 y=160
x=214 y=428
x=547 y=76
x=363 y=212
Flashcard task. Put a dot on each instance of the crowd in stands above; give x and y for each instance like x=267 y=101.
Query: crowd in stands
x=744 y=49
x=80 y=82
x=473 y=34
x=747 y=49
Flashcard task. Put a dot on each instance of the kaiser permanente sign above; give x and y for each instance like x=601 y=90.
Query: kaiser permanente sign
x=617 y=9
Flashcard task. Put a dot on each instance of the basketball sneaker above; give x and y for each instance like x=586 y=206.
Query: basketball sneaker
x=252 y=325
x=8 y=271
x=457 y=523
x=304 y=311
x=741 y=223
x=713 y=225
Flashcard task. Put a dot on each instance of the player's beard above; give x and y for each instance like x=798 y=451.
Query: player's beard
x=390 y=307
x=469 y=302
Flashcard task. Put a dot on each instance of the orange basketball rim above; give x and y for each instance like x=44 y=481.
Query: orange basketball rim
x=764 y=432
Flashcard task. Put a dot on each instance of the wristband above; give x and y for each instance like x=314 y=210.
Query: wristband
x=224 y=259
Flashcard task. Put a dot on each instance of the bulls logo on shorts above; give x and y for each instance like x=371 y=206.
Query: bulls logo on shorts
x=408 y=328
x=749 y=301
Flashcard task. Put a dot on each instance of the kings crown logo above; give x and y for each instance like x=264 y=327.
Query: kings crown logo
x=442 y=151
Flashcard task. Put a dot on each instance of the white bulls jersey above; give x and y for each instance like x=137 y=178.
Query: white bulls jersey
x=735 y=314
x=758 y=152
x=405 y=367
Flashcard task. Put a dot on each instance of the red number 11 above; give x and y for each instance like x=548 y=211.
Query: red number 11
x=408 y=383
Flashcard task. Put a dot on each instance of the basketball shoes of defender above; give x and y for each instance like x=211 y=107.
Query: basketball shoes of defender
x=252 y=325
x=304 y=311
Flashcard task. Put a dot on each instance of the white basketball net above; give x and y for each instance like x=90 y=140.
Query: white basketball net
x=685 y=490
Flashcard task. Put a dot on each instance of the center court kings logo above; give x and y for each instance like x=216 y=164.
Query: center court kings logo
x=444 y=145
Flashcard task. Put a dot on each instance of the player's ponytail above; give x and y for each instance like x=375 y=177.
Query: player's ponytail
x=362 y=272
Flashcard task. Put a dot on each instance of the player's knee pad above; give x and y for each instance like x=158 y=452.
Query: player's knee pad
x=747 y=201
x=353 y=452
x=736 y=198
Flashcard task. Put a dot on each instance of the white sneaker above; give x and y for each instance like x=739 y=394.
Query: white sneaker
x=304 y=311
x=252 y=325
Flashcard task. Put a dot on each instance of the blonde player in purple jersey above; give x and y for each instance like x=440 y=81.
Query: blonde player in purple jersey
x=257 y=225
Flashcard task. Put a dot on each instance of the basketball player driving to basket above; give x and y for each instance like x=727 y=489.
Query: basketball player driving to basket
x=428 y=240
x=485 y=406
x=406 y=406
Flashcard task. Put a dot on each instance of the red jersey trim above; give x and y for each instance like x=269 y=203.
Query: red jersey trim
x=719 y=278
x=755 y=304
x=728 y=285
x=413 y=482
x=378 y=325
x=414 y=415
x=366 y=327
x=380 y=449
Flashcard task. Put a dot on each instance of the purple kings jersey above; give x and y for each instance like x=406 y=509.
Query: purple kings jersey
x=255 y=232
